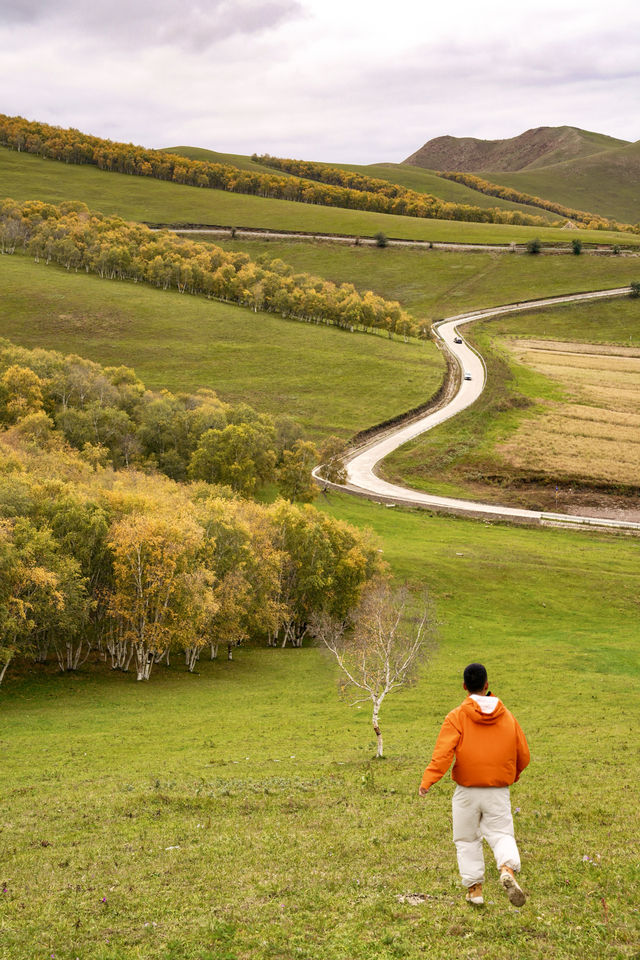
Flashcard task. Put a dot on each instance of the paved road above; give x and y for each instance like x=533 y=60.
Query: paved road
x=361 y=464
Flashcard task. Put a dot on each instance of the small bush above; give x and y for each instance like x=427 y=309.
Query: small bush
x=534 y=246
x=615 y=249
x=635 y=289
x=381 y=239
x=576 y=247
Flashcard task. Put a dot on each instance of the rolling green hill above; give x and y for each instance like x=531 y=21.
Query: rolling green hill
x=183 y=342
x=256 y=823
x=422 y=181
x=238 y=160
x=607 y=183
x=25 y=176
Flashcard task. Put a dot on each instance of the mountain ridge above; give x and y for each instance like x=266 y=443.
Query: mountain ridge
x=536 y=148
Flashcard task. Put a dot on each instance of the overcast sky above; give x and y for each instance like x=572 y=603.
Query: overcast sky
x=352 y=80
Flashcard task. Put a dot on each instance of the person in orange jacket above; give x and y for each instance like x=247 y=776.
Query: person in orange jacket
x=490 y=753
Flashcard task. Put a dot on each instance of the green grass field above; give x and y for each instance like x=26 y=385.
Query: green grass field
x=331 y=381
x=27 y=177
x=239 y=160
x=236 y=814
x=458 y=456
x=435 y=283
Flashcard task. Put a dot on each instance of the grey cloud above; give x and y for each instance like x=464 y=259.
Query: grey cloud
x=158 y=79
x=191 y=26
x=20 y=11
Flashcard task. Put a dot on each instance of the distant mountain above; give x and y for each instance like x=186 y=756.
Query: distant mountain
x=536 y=148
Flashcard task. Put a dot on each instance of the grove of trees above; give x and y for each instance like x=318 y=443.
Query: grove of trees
x=78 y=239
x=102 y=554
x=110 y=418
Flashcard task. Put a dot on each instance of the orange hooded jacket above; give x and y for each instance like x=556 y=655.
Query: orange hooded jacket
x=487 y=741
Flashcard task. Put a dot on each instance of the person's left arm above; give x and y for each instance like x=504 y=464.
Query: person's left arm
x=522 y=750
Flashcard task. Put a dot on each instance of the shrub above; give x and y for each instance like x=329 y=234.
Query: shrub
x=576 y=247
x=635 y=289
x=381 y=239
x=534 y=246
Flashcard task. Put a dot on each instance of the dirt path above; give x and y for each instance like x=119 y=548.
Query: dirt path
x=255 y=233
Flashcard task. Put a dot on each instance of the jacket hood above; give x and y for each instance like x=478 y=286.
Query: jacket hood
x=483 y=709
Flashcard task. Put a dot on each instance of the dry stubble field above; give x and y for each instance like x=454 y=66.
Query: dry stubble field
x=594 y=432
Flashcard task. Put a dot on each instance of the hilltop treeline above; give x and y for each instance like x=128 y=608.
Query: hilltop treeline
x=360 y=192
x=591 y=221
x=73 y=146
x=77 y=238
x=134 y=565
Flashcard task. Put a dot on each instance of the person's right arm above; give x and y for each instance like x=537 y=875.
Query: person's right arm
x=443 y=754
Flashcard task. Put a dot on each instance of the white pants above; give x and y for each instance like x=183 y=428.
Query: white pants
x=482 y=813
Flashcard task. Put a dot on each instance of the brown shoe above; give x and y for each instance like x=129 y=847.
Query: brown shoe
x=474 y=894
x=514 y=890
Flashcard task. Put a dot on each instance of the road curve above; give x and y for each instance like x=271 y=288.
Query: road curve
x=361 y=463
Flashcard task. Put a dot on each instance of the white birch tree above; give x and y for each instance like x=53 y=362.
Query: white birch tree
x=378 y=647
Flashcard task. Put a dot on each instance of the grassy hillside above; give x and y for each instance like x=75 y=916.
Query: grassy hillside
x=467 y=455
x=422 y=181
x=582 y=143
x=258 y=827
x=607 y=183
x=432 y=284
x=183 y=342
x=238 y=160
x=24 y=176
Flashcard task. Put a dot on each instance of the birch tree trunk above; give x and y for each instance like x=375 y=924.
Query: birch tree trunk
x=4 y=669
x=376 y=726
x=192 y=655
x=144 y=662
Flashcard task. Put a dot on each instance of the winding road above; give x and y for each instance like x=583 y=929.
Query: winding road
x=361 y=463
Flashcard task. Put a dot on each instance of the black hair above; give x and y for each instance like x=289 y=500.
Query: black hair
x=475 y=677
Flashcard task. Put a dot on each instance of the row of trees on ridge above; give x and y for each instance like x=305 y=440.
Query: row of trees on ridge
x=592 y=221
x=361 y=192
x=308 y=183
x=78 y=239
